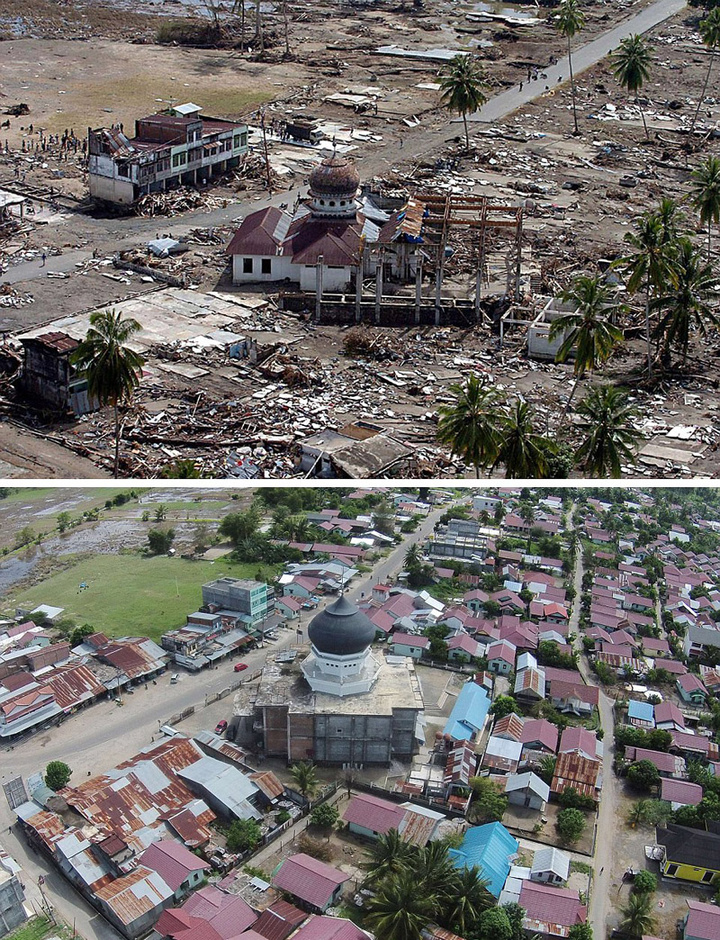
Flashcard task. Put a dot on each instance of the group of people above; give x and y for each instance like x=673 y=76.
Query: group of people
x=67 y=142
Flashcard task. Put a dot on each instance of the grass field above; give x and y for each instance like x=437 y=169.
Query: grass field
x=37 y=928
x=130 y=594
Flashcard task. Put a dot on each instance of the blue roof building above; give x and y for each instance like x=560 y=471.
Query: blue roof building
x=641 y=714
x=492 y=849
x=469 y=713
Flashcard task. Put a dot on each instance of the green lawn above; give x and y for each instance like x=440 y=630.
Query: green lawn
x=130 y=594
x=37 y=928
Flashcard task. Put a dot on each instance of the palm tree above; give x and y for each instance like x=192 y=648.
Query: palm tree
x=706 y=193
x=305 y=778
x=412 y=555
x=112 y=369
x=389 y=856
x=522 y=451
x=686 y=302
x=638 y=919
x=569 y=21
x=710 y=33
x=470 y=425
x=648 y=263
x=463 y=88
x=399 y=911
x=470 y=897
x=610 y=428
x=670 y=217
x=546 y=768
x=631 y=67
x=588 y=329
x=433 y=869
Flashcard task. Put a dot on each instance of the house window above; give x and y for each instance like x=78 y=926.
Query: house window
x=247 y=265
x=708 y=877
x=671 y=870
x=266 y=266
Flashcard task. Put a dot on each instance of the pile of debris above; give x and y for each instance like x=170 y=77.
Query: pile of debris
x=175 y=202
x=364 y=343
x=10 y=297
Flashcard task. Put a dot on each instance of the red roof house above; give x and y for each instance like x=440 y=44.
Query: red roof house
x=311 y=881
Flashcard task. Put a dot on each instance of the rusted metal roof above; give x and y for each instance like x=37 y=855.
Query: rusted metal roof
x=268 y=783
x=58 y=342
x=574 y=769
x=279 y=920
x=73 y=685
x=135 y=894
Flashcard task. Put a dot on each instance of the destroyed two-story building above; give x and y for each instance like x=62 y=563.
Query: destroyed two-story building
x=175 y=147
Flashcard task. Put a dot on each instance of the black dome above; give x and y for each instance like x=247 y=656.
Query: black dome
x=341 y=629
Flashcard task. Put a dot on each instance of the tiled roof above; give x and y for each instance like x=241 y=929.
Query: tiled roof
x=172 y=861
x=373 y=813
x=703 y=921
x=665 y=763
x=542 y=730
x=330 y=928
x=279 y=920
x=545 y=904
x=680 y=791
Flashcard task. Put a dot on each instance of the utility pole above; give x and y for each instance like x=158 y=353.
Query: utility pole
x=265 y=149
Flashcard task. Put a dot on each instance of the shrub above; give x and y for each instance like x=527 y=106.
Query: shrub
x=645 y=882
x=570 y=824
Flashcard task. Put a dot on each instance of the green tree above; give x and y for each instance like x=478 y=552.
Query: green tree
x=643 y=775
x=631 y=67
x=325 y=815
x=398 y=911
x=588 y=330
x=647 y=265
x=570 y=824
x=161 y=513
x=706 y=194
x=463 y=88
x=243 y=835
x=434 y=870
x=687 y=303
x=489 y=802
x=79 y=634
x=182 y=469
x=503 y=705
x=608 y=423
x=522 y=451
x=305 y=778
x=112 y=369
x=241 y=526
x=546 y=768
x=469 y=898
x=569 y=21
x=710 y=33
x=494 y=924
x=645 y=882
x=160 y=540
x=516 y=916
x=63 y=521
x=637 y=917
x=57 y=774
x=470 y=425
x=580 y=932
x=389 y=856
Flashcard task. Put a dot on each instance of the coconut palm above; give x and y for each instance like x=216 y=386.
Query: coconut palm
x=638 y=919
x=588 y=329
x=522 y=451
x=389 y=856
x=648 y=263
x=112 y=369
x=610 y=432
x=671 y=220
x=631 y=67
x=433 y=870
x=686 y=303
x=470 y=897
x=412 y=556
x=399 y=911
x=710 y=33
x=706 y=194
x=305 y=778
x=470 y=425
x=569 y=21
x=463 y=88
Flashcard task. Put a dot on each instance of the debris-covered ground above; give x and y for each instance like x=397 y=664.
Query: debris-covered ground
x=580 y=195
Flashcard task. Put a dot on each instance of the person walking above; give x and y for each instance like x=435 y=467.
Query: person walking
x=44 y=259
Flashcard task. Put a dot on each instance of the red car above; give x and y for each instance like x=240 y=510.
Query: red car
x=239 y=667
x=220 y=727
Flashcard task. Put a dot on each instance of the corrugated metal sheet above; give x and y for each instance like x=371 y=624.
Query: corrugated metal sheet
x=135 y=894
x=574 y=769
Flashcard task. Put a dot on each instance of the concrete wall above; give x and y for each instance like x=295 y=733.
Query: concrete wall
x=12 y=912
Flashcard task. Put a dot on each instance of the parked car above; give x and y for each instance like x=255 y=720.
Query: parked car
x=221 y=727
x=239 y=667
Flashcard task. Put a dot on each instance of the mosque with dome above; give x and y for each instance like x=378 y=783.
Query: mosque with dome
x=333 y=228
x=344 y=703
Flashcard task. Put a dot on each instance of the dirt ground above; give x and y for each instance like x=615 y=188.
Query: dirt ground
x=576 y=214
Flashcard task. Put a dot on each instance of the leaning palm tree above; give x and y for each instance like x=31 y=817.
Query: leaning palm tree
x=463 y=88
x=305 y=778
x=469 y=898
x=631 y=67
x=609 y=425
x=647 y=264
x=470 y=425
x=638 y=919
x=588 y=330
x=671 y=220
x=112 y=369
x=399 y=911
x=389 y=856
x=687 y=303
x=710 y=33
x=706 y=194
x=522 y=450
x=569 y=21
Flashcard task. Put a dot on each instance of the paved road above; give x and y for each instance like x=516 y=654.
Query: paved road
x=60 y=264
x=607 y=820
x=106 y=734
x=584 y=57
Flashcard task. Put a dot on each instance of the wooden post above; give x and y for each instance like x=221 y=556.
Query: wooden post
x=359 y=281
x=418 y=286
x=438 y=285
x=379 y=285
